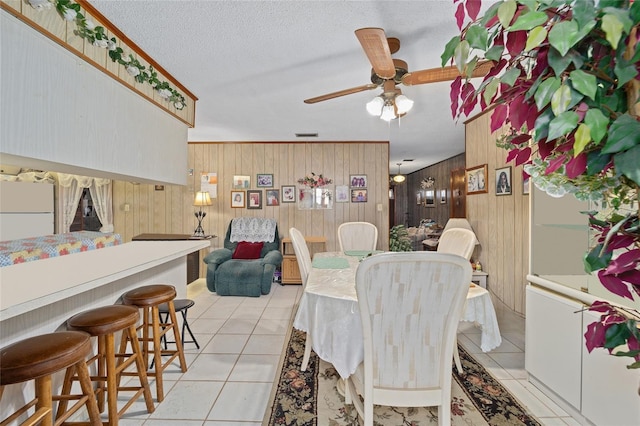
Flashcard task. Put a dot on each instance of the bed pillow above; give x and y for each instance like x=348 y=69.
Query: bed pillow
x=246 y=250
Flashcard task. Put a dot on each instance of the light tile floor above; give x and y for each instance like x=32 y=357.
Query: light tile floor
x=229 y=379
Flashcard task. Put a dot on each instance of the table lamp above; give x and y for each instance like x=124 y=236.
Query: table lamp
x=202 y=199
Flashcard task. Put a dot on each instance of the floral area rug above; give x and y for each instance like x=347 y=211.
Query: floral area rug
x=311 y=397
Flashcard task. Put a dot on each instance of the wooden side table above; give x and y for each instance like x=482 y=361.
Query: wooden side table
x=193 y=259
x=290 y=269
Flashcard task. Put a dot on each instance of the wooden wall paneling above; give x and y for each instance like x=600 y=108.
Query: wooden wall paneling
x=300 y=169
x=16 y=5
x=180 y=211
x=74 y=41
x=501 y=222
x=354 y=169
x=96 y=54
x=111 y=67
x=129 y=231
x=330 y=224
x=341 y=177
x=48 y=20
x=315 y=226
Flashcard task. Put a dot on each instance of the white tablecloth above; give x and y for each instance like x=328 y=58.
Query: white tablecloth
x=329 y=311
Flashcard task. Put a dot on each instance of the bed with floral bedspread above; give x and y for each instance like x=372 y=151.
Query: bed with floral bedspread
x=46 y=246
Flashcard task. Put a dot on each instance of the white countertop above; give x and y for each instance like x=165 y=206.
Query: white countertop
x=30 y=285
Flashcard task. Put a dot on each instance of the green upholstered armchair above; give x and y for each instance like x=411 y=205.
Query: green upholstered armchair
x=242 y=277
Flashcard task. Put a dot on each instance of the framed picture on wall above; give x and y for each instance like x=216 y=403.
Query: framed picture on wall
x=273 y=197
x=288 y=194
x=264 y=181
x=342 y=194
x=503 y=181
x=358 y=181
x=443 y=196
x=241 y=182
x=358 y=195
x=429 y=198
x=476 y=179
x=254 y=199
x=237 y=199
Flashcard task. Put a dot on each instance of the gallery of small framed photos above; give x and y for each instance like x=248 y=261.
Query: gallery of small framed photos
x=242 y=196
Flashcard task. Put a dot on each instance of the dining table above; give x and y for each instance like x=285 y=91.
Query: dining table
x=328 y=311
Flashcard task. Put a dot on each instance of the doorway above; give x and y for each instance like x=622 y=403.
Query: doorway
x=458 y=194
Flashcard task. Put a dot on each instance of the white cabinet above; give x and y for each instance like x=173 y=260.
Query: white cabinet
x=553 y=342
x=609 y=390
x=596 y=385
x=26 y=210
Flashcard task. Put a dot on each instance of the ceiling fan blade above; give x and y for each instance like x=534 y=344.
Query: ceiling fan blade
x=344 y=92
x=434 y=75
x=375 y=45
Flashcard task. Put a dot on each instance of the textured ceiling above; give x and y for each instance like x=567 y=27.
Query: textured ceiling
x=252 y=63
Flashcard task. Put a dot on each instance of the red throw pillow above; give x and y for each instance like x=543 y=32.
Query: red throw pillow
x=246 y=250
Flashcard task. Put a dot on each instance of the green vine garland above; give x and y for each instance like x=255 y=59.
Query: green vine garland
x=96 y=35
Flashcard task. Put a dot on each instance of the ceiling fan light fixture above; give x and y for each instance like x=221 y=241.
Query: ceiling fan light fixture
x=374 y=106
x=388 y=111
x=403 y=104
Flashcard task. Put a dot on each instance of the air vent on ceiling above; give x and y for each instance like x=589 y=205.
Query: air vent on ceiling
x=306 y=135
x=407 y=160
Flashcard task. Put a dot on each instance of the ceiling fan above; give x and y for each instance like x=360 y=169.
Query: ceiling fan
x=387 y=72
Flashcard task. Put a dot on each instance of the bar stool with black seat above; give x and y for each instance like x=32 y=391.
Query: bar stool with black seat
x=38 y=358
x=104 y=322
x=149 y=298
x=182 y=306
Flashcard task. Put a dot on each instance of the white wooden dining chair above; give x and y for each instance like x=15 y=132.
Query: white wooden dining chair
x=458 y=241
x=301 y=251
x=410 y=304
x=303 y=257
x=357 y=236
x=462 y=242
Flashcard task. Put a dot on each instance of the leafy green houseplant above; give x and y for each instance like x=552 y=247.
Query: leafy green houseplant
x=565 y=84
x=399 y=239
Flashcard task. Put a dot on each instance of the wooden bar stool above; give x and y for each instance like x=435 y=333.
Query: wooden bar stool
x=149 y=298
x=38 y=358
x=104 y=323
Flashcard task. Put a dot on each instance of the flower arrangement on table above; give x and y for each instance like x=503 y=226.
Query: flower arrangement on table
x=314 y=181
x=97 y=36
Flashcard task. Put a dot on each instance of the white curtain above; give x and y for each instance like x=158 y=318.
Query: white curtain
x=71 y=187
x=103 y=202
x=70 y=193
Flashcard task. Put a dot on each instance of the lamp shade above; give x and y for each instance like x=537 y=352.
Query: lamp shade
x=403 y=104
x=388 y=112
x=202 y=199
x=374 y=106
